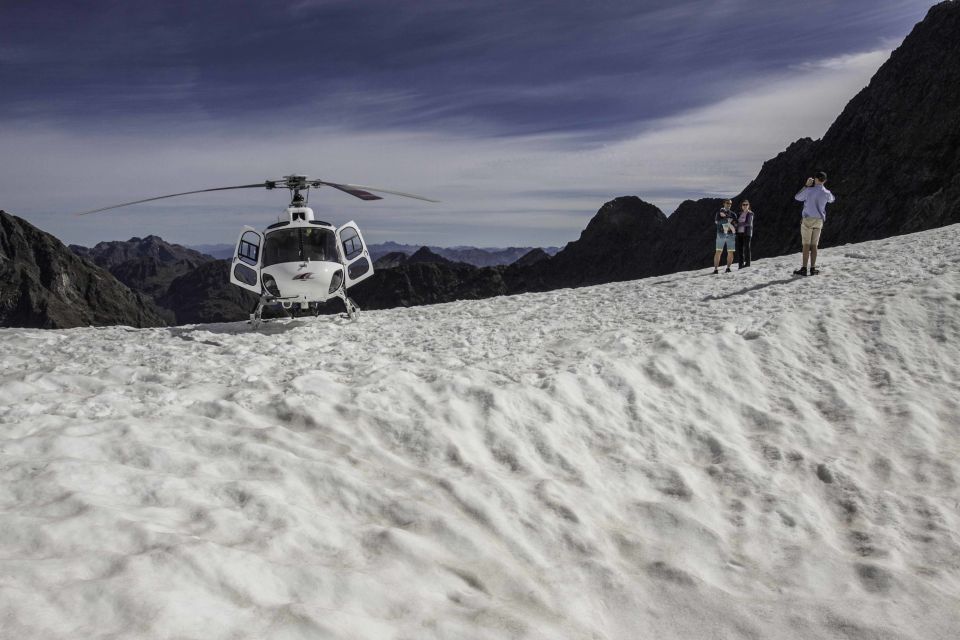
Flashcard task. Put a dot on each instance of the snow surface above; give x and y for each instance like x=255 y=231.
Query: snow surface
x=749 y=455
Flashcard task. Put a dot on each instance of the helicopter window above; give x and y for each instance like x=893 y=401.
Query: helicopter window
x=281 y=246
x=352 y=246
x=298 y=244
x=358 y=268
x=249 y=248
x=245 y=274
x=319 y=244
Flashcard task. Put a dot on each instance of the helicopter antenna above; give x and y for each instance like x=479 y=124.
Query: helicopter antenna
x=295 y=183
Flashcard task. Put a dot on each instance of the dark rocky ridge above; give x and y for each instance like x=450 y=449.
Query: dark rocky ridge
x=44 y=284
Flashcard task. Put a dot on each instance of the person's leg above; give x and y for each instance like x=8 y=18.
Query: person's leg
x=814 y=242
x=740 y=250
x=716 y=260
x=747 y=254
x=730 y=252
x=805 y=231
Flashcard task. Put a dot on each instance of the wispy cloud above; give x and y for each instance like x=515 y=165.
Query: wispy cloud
x=495 y=190
x=523 y=118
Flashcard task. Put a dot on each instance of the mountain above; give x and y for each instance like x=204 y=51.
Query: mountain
x=390 y=260
x=205 y=294
x=531 y=257
x=427 y=282
x=147 y=265
x=485 y=257
x=218 y=251
x=44 y=284
x=615 y=245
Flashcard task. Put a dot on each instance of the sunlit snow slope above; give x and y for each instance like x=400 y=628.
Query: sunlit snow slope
x=748 y=455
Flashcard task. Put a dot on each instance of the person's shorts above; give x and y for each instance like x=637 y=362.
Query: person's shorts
x=810 y=231
x=728 y=239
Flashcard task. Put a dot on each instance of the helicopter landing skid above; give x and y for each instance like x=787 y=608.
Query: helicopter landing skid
x=256 y=318
x=352 y=309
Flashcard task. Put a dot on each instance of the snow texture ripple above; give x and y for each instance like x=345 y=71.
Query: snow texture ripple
x=749 y=455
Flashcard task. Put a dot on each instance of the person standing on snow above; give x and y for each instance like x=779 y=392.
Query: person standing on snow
x=725 y=221
x=815 y=198
x=744 y=234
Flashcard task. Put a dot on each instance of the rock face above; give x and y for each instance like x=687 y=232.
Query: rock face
x=45 y=285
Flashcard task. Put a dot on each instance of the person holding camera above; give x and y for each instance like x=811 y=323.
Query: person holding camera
x=726 y=223
x=744 y=234
x=815 y=198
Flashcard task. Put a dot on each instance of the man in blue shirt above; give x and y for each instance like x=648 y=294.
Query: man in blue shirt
x=815 y=198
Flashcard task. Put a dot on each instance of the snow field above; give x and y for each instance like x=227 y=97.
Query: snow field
x=748 y=455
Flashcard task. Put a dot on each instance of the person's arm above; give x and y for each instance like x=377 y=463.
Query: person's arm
x=802 y=194
x=830 y=197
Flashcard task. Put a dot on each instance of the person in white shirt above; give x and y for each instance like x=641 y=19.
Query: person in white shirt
x=815 y=198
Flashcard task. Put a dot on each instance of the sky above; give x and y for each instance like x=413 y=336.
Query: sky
x=523 y=118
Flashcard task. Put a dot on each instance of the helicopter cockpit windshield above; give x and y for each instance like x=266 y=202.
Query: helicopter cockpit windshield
x=298 y=245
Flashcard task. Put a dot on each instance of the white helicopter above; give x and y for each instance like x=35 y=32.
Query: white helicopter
x=300 y=262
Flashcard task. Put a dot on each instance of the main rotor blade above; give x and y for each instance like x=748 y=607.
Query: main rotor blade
x=362 y=192
x=260 y=185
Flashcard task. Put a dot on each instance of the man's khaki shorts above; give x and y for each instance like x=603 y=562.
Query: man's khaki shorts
x=810 y=231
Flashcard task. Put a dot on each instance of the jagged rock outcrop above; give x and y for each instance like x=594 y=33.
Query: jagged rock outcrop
x=43 y=284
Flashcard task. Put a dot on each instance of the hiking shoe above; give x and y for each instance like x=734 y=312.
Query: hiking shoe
x=728 y=270
x=814 y=271
x=802 y=271
x=715 y=272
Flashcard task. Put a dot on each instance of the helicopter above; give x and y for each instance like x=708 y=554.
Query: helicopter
x=298 y=263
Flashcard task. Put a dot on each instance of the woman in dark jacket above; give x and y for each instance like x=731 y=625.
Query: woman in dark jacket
x=744 y=234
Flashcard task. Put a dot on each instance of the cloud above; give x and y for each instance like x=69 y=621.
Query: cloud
x=496 y=190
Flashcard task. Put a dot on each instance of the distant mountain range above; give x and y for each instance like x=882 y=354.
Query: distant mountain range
x=478 y=257
x=893 y=157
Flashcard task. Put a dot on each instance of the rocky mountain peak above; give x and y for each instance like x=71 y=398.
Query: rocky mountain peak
x=44 y=284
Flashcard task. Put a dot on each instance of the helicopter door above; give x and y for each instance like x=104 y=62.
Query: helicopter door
x=355 y=254
x=245 y=270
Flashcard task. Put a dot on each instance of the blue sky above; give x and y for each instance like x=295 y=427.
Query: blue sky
x=522 y=117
